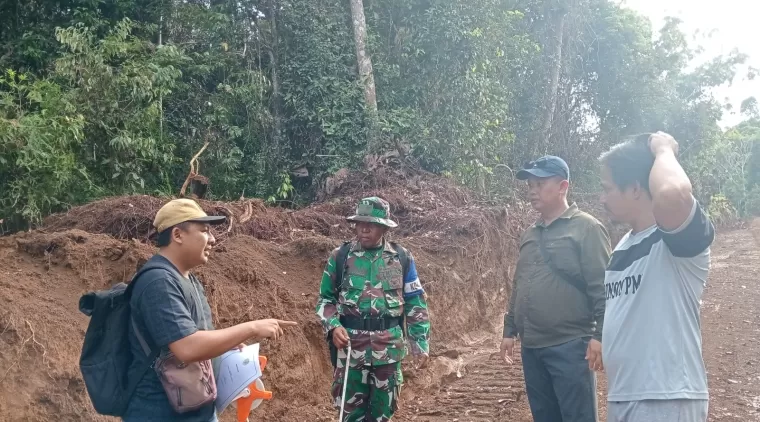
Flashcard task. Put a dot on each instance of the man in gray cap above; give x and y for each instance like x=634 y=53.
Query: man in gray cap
x=557 y=301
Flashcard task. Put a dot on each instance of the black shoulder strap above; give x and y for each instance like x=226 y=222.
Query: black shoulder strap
x=403 y=257
x=340 y=268
x=340 y=264
x=132 y=386
x=144 y=269
x=187 y=294
x=143 y=341
x=152 y=355
x=578 y=284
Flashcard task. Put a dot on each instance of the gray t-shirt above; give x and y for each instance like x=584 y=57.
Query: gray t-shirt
x=652 y=344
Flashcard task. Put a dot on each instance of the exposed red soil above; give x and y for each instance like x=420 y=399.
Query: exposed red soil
x=268 y=263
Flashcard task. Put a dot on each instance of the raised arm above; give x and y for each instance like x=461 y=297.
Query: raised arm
x=669 y=185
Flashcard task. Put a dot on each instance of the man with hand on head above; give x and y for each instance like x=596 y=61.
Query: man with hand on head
x=654 y=284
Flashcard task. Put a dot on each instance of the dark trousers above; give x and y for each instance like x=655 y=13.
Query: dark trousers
x=559 y=383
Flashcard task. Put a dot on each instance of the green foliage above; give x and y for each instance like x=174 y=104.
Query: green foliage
x=721 y=210
x=111 y=98
x=284 y=191
x=40 y=130
x=117 y=83
x=322 y=96
x=448 y=71
x=727 y=169
x=750 y=108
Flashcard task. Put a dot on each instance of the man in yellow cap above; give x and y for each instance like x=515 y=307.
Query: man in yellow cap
x=170 y=311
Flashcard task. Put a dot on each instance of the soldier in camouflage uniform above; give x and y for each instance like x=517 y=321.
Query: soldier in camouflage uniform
x=369 y=311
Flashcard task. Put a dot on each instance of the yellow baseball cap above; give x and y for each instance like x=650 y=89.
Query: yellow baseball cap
x=180 y=211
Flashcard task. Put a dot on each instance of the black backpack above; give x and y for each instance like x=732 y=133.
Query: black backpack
x=106 y=352
x=340 y=268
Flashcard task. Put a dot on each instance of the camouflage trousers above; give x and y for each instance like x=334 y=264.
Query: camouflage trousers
x=372 y=392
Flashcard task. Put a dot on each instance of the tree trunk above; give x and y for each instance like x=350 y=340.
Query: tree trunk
x=363 y=59
x=276 y=96
x=557 y=29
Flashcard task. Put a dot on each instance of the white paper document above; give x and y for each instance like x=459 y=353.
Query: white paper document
x=237 y=370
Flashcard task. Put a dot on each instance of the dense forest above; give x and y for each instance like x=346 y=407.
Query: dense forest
x=114 y=97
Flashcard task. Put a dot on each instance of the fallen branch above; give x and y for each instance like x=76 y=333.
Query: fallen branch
x=193 y=169
x=230 y=216
x=247 y=214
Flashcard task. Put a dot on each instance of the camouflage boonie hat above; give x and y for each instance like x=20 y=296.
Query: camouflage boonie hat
x=373 y=210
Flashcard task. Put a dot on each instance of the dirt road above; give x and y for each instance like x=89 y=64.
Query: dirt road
x=491 y=391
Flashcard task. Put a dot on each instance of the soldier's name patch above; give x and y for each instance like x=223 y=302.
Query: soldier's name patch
x=389 y=273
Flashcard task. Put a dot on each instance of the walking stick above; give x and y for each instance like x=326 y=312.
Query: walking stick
x=345 y=382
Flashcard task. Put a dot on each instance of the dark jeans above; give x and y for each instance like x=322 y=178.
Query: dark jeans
x=559 y=383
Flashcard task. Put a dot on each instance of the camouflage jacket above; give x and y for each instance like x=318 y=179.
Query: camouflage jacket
x=374 y=286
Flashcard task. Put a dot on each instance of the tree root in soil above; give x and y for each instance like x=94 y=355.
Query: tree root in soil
x=35 y=344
